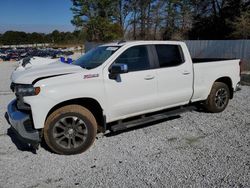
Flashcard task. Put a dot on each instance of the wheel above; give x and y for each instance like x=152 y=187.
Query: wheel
x=70 y=130
x=218 y=98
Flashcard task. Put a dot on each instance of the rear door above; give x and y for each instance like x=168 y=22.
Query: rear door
x=134 y=92
x=174 y=76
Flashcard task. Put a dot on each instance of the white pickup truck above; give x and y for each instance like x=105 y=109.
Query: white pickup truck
x=114 y=86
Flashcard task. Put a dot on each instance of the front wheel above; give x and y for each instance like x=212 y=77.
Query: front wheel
x=218 y=98
x=70 y=130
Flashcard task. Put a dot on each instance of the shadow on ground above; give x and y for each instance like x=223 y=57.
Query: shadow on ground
x=20 y=145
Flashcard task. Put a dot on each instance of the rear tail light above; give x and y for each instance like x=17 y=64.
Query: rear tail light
x=240 y=64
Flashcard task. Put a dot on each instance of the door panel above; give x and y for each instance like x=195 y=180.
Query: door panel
x=175 y=77
x=174 y=86
x=131 y=93
x=136 y=91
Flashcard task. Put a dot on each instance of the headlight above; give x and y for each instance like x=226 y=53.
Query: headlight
x=27 y=90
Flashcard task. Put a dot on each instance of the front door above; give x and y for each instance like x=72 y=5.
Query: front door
x=134 y=92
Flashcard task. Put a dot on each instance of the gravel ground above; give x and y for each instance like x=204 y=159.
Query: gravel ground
x=5 y=93
x=195 y=150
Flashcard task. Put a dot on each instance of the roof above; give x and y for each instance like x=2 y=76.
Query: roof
x=140 y=42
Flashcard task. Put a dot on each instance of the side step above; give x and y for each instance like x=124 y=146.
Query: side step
x=149 y=118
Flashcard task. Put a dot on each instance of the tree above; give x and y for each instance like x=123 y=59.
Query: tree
x=121 y=14
x=98 y=18
x=35 y=38
x=213 y=18
x=134 y=20
x=241 y=26
x=108 y=20
x=56 y=37
x=137 y=19
x=14 y=37
x=143 y=6
x=157 y=14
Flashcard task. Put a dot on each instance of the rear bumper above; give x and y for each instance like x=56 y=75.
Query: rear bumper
x=21 y=123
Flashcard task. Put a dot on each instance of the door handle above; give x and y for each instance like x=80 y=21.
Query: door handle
x=185 y=72
x=149 y=77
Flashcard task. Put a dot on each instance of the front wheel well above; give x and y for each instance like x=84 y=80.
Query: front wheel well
x=228 y=82
x=91 y=104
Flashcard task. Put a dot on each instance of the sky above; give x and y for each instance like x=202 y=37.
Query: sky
x=41 y=16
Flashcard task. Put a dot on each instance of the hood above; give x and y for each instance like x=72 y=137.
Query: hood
x=27 y=75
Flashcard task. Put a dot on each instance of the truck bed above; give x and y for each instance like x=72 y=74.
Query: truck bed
x=207 y=60
x=207 y=72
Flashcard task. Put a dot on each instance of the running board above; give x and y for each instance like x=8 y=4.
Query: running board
x=149 y=118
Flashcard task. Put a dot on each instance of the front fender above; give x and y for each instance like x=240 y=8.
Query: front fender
x=52 y=95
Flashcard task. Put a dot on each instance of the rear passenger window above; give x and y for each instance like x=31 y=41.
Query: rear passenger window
x=136 y=58
x=169 y=55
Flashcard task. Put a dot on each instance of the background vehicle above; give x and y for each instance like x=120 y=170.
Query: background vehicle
x=111 y=85
x=7 y=54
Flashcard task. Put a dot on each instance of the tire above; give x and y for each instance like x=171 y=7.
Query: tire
x=218 y=98
x=70 y=130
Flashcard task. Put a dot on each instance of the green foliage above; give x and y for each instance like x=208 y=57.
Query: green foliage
x=241 y=26
x=100 y=29
x=17 y=37
x=137 y=19
x=98 y=18
x=56 y=37
x=213 y=19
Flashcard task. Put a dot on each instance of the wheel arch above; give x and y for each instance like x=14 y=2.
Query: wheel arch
x=227 y=80
x=91 y=104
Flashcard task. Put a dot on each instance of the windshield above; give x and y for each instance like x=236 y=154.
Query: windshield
x=95 y=57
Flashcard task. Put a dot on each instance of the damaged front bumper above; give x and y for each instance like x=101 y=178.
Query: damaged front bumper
x=22 y=124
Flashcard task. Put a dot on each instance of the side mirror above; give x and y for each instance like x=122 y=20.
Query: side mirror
x=118 y=69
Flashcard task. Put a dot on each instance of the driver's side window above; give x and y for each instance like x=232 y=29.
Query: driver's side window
x=136 y=58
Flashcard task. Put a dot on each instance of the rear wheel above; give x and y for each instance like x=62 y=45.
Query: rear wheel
x=218 y=98
x=70 y=130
